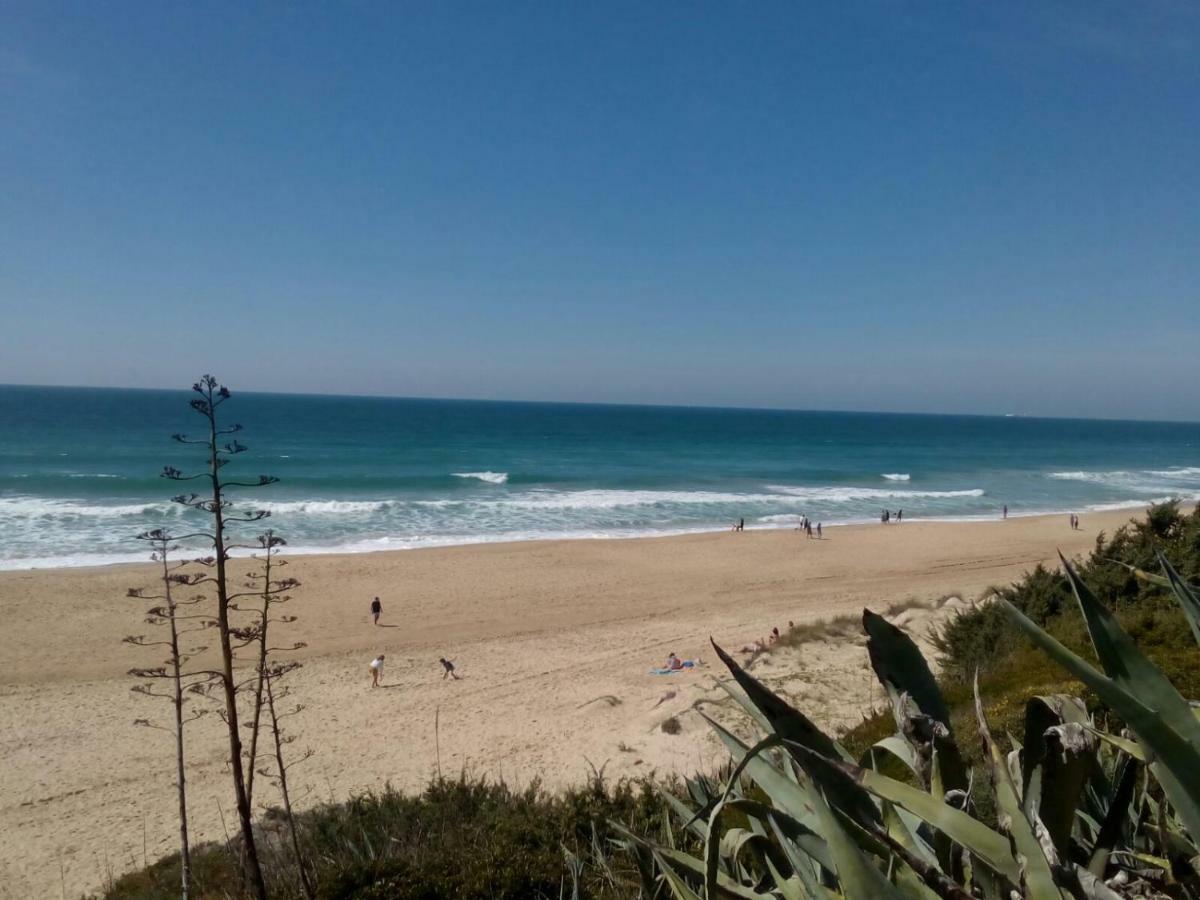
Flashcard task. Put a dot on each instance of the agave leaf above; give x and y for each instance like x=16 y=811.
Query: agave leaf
x=712 y=848
x=800 y=865
x=1188 y=597
x=724 y=887
x=1036 y=876
x=900 y=665
x=1092 y=887
x=1141 y=575
x=763 y=723
x=1125 y=664
x=791 y=888
x=1177 y=758
x=858 y=875
x=901 y=668
x=1125 y=745
x=1149 y=577
x=735 y=840
x=784 y=719
x=679 y=887
x=1059 y=756
x=898 y=747
x=1115 y=818
x=804 y=838
x=670 y=862
x=985 y=844
x=785 y=793
x=919 y=874
x=692 y=819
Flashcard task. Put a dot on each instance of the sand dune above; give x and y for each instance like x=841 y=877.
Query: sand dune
x=538 y=631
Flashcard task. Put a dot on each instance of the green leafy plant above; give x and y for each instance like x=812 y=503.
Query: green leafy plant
x=1080 y=810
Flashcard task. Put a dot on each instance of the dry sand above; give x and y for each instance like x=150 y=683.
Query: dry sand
x=537 y=629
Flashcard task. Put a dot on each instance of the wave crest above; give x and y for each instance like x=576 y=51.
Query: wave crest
x=897 y=476
x=489 y=477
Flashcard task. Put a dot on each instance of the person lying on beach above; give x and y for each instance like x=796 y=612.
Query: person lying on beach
x=376 y=609
x=674 y=663
x=449 y=669
x=376 y=669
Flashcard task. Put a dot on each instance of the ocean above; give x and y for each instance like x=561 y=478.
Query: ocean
x=79 y=469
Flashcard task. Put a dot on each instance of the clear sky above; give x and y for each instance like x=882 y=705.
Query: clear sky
x=960 y=207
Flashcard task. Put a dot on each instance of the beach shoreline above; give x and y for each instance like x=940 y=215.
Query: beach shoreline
x=1129 y=507
x=537 y=628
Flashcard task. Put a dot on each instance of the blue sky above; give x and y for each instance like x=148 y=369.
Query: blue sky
x=897 y=206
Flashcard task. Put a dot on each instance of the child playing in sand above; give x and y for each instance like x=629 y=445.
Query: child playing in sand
x=449 y=667
x=376 y=668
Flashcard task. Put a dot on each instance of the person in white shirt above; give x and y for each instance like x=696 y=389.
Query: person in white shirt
x=376 y=668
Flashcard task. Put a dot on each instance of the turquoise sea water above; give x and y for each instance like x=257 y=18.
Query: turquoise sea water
x=79 y=469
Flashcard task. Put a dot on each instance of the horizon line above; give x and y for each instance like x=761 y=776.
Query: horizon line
x=611 y=403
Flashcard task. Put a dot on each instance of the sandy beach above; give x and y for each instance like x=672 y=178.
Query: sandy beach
x=538 y=630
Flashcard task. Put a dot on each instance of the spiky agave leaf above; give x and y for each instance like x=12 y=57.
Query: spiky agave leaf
x=988 y=846
x=1138 y=692
x=1037 y=878
x=1056 y=762
x=902 y=670
x=783 y=718
x=1188 y=596
x=795 y=728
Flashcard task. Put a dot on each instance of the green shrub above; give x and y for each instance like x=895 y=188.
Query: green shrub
x=460 y=838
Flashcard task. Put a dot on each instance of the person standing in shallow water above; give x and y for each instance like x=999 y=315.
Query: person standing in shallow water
x=376 y=610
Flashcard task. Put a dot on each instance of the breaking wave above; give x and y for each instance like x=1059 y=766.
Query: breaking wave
x=489 y=477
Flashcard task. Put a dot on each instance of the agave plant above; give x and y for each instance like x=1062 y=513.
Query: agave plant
x=1079 y=812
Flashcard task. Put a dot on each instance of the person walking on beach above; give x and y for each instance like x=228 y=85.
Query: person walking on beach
x=899 y=516
x=1005 y=516
x=448 y=666
x=818 y=531
x=376 y=609
x=376 y=669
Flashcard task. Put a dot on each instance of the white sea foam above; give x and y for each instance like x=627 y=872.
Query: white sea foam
x=897 y=476
x=489 y=477
x=42 y=507
x=1096 y=477
x=850 y=494
x=1185 y=472
x=90 y=475
x=1140 y=504
x=612 y=499
x=319 y=507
